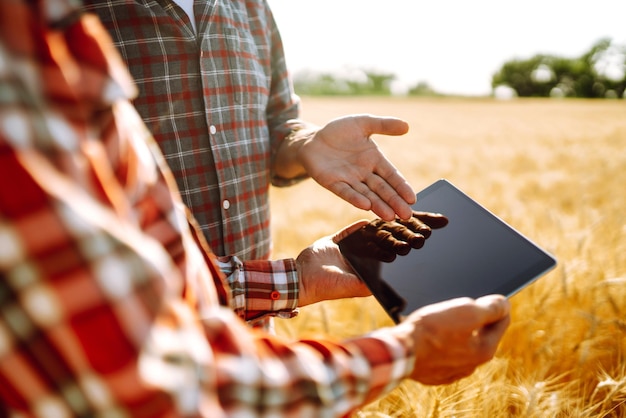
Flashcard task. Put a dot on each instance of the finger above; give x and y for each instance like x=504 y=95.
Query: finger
x=374 y=202
x=399 y=206
x=412 y=230
x=378 y=236
x=379 y=206
x=393 y=179
x=489 y=338
x=383 y=125
x=416 y=226
x=351 y=195
x=413 y=234
x=494 y=308
x=386 y=200
x=387 y=242
x=491 y=335
x=433 y=220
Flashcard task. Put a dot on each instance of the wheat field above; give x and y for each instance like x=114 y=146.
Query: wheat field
x=553 y=169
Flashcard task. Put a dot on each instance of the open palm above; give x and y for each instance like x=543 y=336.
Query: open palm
x=343 y=158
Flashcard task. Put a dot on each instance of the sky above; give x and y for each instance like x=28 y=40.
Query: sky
x=453 y=45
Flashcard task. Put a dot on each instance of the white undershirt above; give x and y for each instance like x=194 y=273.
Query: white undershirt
x=187 y=6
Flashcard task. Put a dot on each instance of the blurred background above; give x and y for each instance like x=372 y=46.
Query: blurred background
x=535 y=48
x=550 y=163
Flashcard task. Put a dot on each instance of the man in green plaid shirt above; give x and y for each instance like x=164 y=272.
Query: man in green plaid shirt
x=215 y=92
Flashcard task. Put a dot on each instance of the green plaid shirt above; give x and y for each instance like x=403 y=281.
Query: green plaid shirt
x=218 y=104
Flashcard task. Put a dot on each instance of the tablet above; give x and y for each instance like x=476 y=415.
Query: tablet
x=474 y=255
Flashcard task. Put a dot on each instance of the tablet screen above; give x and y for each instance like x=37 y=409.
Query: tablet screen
x=474 y=255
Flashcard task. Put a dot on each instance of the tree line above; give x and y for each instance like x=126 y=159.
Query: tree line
x=600 y=72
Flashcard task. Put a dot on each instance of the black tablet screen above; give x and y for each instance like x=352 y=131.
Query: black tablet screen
x=474 y=255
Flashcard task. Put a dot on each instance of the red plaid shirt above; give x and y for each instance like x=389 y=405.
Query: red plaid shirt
x=217 y=103
x=110 y=303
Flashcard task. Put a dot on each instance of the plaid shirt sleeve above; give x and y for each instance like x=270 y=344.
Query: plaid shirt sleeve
x=110 y=302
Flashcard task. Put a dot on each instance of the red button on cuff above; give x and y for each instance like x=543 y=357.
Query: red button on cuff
x=275 y=295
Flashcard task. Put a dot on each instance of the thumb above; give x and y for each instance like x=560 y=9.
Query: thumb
x=348 y=230
x=384 y=125
x=494 y=308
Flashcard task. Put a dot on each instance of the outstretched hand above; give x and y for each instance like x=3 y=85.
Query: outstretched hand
x=343 y=158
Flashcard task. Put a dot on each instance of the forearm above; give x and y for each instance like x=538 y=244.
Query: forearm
x=322 y=376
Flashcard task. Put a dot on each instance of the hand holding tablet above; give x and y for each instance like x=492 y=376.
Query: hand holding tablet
x=475 y=254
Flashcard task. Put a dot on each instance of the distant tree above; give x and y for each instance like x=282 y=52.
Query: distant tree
x=518 y=74
x=379 y=83
x=319 y=84
x=546 y=75
x=326 y=84
x=422 y=88
x=609 y=62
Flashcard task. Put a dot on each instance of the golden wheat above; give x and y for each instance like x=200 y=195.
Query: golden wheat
x=553 y=169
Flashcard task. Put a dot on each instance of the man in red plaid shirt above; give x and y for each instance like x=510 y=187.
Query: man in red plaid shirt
x=214 y=91
x=111 y=303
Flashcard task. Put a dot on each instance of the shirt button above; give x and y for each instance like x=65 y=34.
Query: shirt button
x=275 y=295
x=225 y=204
x=212 y=129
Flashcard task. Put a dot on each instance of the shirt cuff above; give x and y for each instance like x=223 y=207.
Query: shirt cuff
x=272 y=288
x=262 y=288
